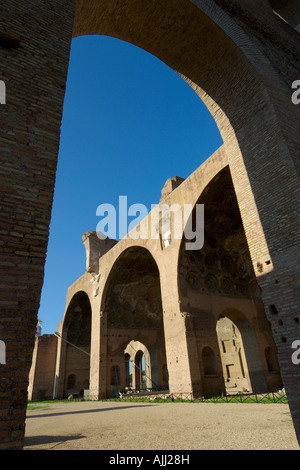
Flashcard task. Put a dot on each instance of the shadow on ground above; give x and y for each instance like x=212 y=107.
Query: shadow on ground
x=55 y=440
x=118 y=408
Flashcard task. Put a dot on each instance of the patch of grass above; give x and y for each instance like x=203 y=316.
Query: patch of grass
x=45 y=404
x=55 y=401
x=37 y=407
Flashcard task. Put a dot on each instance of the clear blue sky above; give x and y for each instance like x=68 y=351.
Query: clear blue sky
x=129 y=124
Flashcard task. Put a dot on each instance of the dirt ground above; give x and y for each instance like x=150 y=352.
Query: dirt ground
x=159 y=426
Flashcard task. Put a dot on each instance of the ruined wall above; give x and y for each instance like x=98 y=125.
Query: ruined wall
x=42 y=374
x=76 y=371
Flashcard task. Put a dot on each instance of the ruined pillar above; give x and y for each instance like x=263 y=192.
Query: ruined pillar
x=181 y=347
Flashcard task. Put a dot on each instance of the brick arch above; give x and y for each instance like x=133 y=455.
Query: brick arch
x=131 y=313
x=135 y=259
x=136 y=349
x=204 y=45
x=220 y=274
x=223 y=264
x=239 y=57
x=82 y=303
x=74 y=349
x=196 y=47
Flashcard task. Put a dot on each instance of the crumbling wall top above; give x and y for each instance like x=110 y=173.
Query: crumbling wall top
x=95 y=248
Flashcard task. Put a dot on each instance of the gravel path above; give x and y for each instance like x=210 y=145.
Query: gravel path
x=160 y=426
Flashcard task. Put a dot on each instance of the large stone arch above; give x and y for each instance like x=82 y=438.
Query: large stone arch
x=74 y=347
x=218 y=275
x=131 y=314
x=239 y=57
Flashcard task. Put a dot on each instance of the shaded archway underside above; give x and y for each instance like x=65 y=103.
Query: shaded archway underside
x=132 y=308
x=223 y=265
x=76 y=346
x=77 y=322
x=133 y=298
x=214 y=278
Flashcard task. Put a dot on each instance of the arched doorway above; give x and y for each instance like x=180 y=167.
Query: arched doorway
x=142 y=367
x=132 y=312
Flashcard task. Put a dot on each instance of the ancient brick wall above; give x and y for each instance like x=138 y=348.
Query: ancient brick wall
x=34 y=51
x=42 y=373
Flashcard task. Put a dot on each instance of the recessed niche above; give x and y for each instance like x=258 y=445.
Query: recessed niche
x=9 y=43
x=273 y=310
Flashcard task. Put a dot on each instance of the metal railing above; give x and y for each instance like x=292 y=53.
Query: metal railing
x=163 y=395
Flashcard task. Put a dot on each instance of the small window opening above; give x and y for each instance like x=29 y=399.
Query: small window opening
x=273 y=310
x=260 y=267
